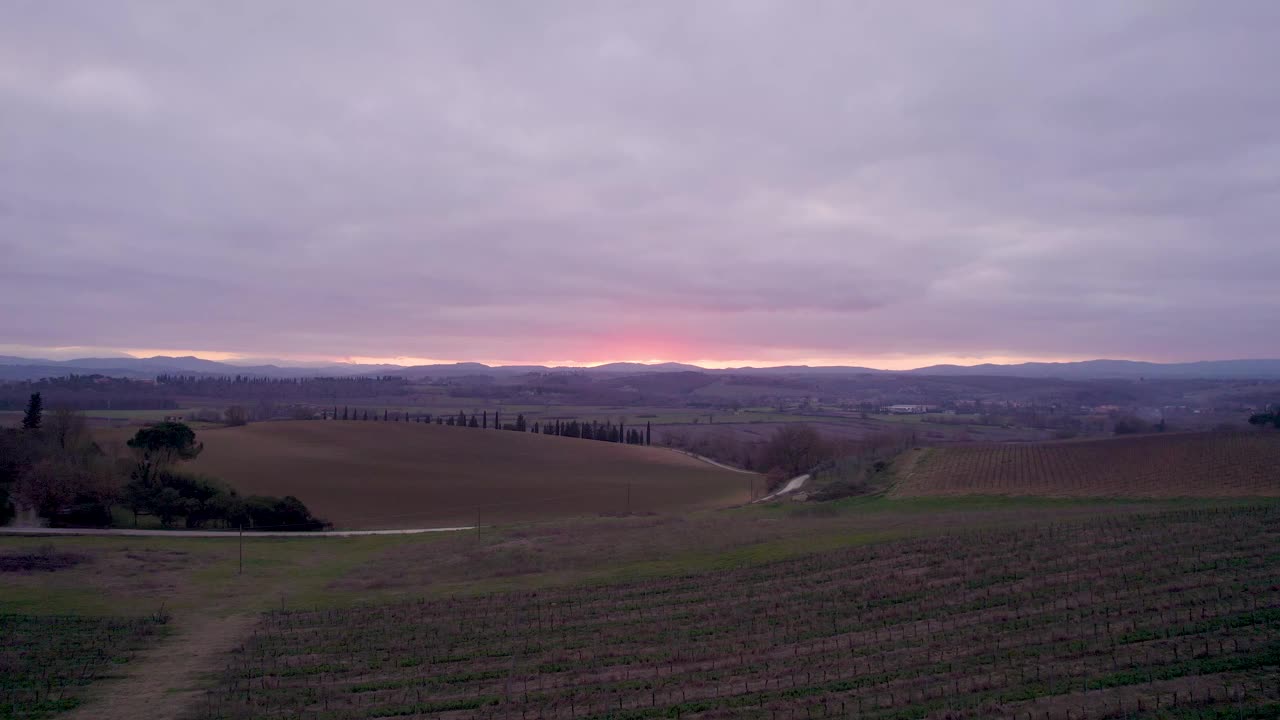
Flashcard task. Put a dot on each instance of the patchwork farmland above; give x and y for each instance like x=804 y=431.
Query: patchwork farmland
x=1152 y=466
x=1176 y=614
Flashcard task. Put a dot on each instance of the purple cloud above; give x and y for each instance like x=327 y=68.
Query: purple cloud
x=598 y=181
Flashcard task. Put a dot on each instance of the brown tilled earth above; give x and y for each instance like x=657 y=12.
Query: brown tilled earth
x=397 y=475
x=1147 y=466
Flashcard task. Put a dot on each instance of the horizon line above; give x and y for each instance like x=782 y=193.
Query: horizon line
x=406 y=362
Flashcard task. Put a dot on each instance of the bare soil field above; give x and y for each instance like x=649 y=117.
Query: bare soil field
x=367 y=475
x=1147 y=466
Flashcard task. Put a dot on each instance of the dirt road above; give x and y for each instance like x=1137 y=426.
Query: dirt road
x=792 y=485
x=164 y=681
x=218 y=533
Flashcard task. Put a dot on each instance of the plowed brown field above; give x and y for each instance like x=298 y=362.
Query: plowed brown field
x=1173 y=465
x=397 y=475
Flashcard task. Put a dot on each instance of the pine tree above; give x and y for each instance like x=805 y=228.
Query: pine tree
x=520 y=427
x=35 y=413
x=535 y=428
x=473 y=422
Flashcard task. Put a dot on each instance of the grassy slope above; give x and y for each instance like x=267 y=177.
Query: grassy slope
x=370 y=475
x=1147 y=466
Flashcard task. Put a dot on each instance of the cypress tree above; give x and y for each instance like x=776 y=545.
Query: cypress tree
x=344 y=412
x=34 y=415
x=335 y=412
x=384 y=416
x=648 y=433
x=473 y=423
x=366 y=414
x=484 y=420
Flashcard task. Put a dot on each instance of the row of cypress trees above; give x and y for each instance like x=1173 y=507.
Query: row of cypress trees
x=593 y=430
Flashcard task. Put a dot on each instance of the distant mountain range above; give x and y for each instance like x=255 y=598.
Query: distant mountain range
x=18 y=368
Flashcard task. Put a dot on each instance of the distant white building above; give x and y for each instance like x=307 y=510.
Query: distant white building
x=907 y=409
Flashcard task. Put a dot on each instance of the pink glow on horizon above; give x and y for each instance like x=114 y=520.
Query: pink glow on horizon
x=888 y=362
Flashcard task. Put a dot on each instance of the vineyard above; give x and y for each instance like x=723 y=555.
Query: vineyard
x=46 y=661
x=1174 y=465
x=1168 y=615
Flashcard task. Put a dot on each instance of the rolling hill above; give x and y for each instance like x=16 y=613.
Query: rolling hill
x=363 y=475
x=1157 y=466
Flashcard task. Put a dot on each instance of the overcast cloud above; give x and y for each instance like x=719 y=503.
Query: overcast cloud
x=590 y=181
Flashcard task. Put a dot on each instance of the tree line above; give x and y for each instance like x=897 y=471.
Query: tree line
x=1264 y=419
x=52 y=466
x=247 y=387
x=594 y=430
x=88 y=392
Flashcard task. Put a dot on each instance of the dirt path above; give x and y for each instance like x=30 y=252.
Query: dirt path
x=709 y=461
x=164 y=681
x=219 y=533
x=792 y=485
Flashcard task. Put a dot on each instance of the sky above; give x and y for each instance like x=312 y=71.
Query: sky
x=729 y=183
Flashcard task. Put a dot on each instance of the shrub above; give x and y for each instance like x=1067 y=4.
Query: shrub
x=1131 y=425
x=287 y=513
x=235 y=415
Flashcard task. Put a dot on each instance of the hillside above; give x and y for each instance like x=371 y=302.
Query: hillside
x=389 y=475
x=1173 y=465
